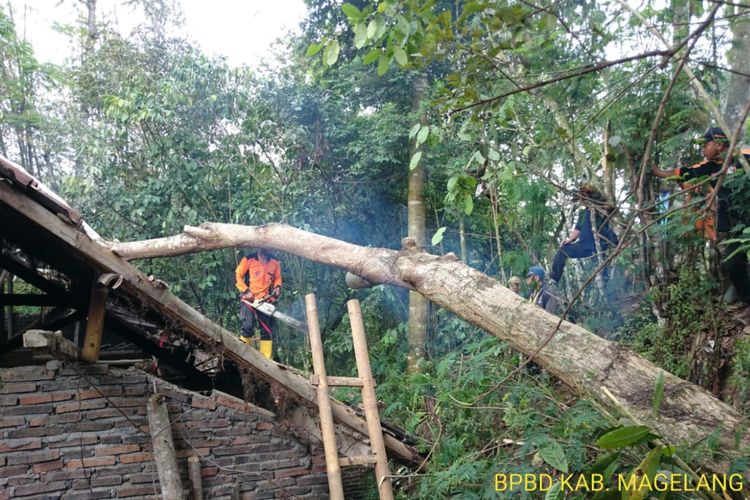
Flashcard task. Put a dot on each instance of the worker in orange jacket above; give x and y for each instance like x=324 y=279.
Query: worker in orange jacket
x=717 y=221
x=258 y=278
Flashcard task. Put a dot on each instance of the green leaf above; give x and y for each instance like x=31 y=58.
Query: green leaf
x=623 y=436
x=555 y=492
x=400 y=55
x=360 y=35
x=331 y=54
x=493 y=155
x=313 y=49
x=658 y=393
x=383 y=62
x=468 y=203
x=371 y=56
x=438 y=236
x=372 y=28
x=414 y=130
x=422 y=135
x=415 y=160
x=647 y=467
x=553 y=454
x=351 y=11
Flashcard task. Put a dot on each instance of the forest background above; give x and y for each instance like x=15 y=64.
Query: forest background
x=464 y=125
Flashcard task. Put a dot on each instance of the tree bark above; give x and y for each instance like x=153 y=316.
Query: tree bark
x=417 y=331
x=587 y=363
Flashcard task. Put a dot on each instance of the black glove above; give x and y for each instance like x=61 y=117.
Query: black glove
x=274 y=294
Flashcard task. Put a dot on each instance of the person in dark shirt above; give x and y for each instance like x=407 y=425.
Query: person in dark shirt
x=581 y=243
x=542 y=293
x=715 y=222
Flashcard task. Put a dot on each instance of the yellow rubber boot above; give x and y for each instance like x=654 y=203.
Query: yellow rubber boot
x=266 y=348
x=247 y=340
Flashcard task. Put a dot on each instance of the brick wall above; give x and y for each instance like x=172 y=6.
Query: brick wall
x=74 y=432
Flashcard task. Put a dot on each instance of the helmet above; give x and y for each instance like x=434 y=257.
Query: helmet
x=536 y=271
x=514 y=280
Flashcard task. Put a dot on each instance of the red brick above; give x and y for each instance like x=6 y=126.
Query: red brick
x=209 y=471
x=135 y=391
x=8 y=401
x=264 y=426
x=26 y=374
x=2 y=461
x=201 y=402
x=16 y=470
x=136 y=491
x=118 y=450
x=16 y=387
x=34 y=457
x=40 y=487
x=20 y=444
x=38 y=421
x=301 y=471
x=34 y=399
x=232 y=402
x=136 y=457
x=78 y=463
x=62 y=395
x=189 y=452
x=112 y=390
x=106 y=481
x=80 y=405
x=11 y=421
x=47 y=466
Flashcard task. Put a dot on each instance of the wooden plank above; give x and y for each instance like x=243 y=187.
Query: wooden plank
x=337 y=381
x=138 y=285
x=92 y=341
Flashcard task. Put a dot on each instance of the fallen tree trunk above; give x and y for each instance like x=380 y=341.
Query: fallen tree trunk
x=590 y=364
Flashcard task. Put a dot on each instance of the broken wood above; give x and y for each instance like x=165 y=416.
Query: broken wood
x=162 y=446
x=95 y=323
x=194 y=473
x=575 y=356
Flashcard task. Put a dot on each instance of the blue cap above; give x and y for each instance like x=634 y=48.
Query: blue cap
x=536 y=271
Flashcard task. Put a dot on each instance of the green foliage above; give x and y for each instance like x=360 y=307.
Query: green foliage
x=690 y=305
x=740 y=378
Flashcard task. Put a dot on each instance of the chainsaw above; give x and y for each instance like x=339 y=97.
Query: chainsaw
x=270 y=310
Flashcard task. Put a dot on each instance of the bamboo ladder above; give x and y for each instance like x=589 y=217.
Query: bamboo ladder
x=365 y=381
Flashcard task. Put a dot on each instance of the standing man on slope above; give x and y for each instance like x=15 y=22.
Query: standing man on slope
x=716 y=221
x=258 y=278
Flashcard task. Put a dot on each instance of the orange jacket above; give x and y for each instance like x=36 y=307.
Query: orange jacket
x=262 y=277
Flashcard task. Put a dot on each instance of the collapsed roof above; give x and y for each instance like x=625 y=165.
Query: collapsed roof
x=48 y=245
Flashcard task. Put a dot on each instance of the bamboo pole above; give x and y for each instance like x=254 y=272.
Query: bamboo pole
x=333 y=468
x=194 y=473
x=162 y=446
x=370 y=402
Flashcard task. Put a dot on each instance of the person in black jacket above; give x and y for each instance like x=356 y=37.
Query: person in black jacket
x=581 y=242
x=716 y=222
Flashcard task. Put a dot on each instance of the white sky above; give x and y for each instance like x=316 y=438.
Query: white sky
x=241 y=30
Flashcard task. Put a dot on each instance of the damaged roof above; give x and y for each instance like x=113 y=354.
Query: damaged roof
x=47 y=244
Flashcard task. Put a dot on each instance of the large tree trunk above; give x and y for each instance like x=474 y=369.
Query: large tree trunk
x=417 y=336
x=590 y=364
